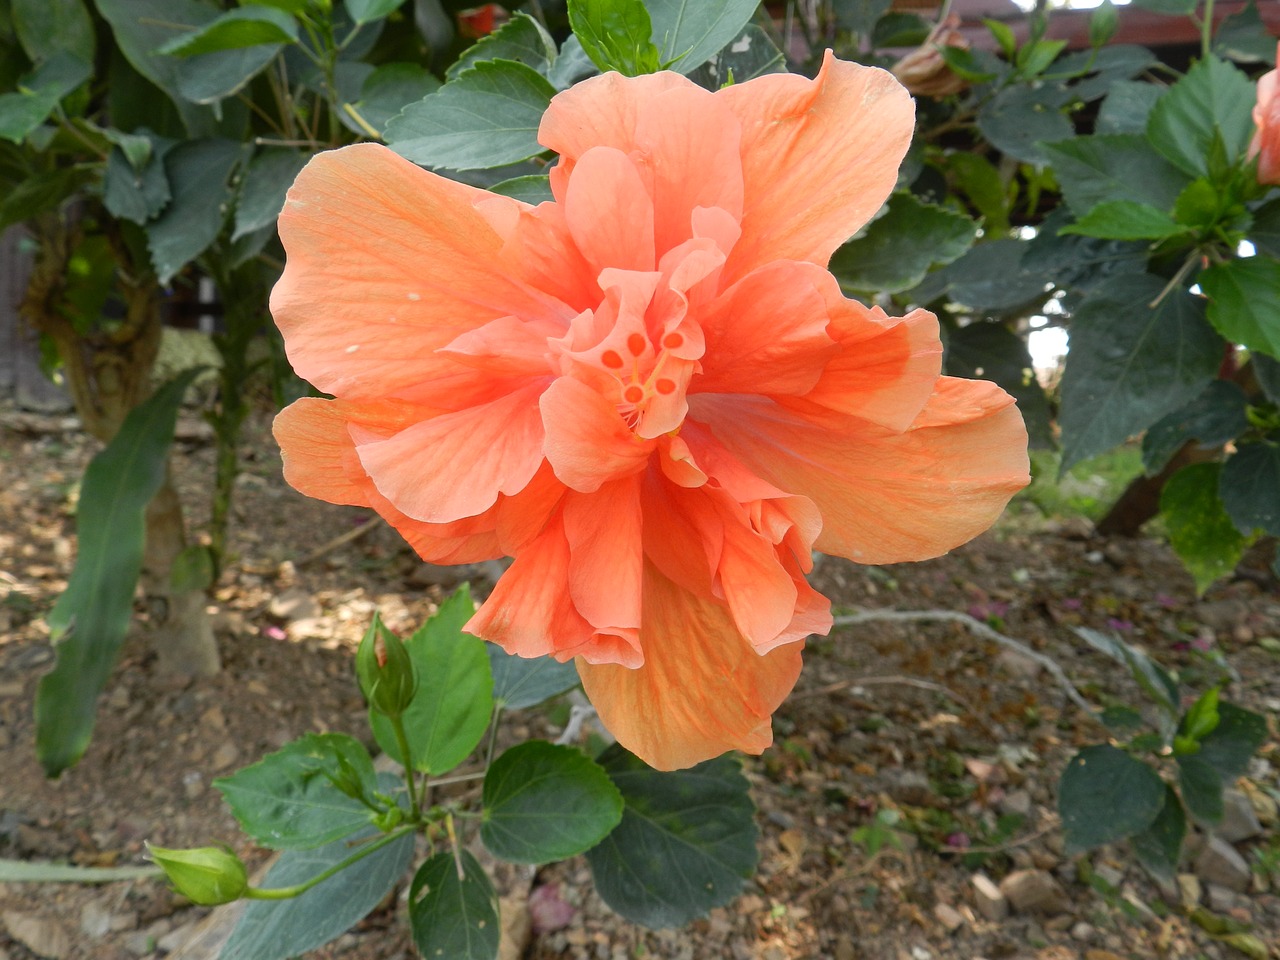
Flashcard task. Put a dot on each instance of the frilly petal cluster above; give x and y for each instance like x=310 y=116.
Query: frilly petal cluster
x=650 y=392
x=1266 y=122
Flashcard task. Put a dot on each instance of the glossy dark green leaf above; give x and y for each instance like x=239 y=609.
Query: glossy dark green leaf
x=1127 y=106
x=1267 y=371
x=452 y=915
x=1131 y=364
x=1079 y=264
x=1244 y=38
x=385 y=92
x=544 y=802
x=1103 y=69
x=281 y=929
x=1094 y=170
x=896 y=250
x=570 y=65
x=1237 y=737
x=1201 y=787
x=1214 y=417
x=751 y=54
x=978 y=179
x=89 y=620
x=1200 y=531
x=989 y=351
x=454 y=701
x=1106 y=795
x=990 y=278
x=1250 y=487
x=241 y=27
x=1019 y=118
x=288 y=800
x=135 y=194
x=689 y=32
x=1159 y=846
x=198 y=173
x=1244 y=302
x=860 y=16
x=899 y=29
x=487 y=117
x=39 y=93
x=1265 y=230
x=522 y=38
x=1126 y=220
x=1213 y=101
x=262 y=191
x=520 y=682
x=366 y=11
x=48 y=27
x=615 y=34
x=686 y=844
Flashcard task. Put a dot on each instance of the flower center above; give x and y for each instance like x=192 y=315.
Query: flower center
x=639 y=382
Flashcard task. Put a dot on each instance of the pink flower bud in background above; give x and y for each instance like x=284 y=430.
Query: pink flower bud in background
x=924 y=72
x=1266 y=117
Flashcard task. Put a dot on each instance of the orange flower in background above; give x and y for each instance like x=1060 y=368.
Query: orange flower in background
x=649 y=392
x=1266 y=118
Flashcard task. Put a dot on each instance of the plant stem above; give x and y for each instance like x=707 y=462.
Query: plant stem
x=402 y=741
x=286 y=893
x=1206 y=29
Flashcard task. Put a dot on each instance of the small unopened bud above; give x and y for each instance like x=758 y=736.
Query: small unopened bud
x=206 y=876
x=924 y=72
x=385 y=671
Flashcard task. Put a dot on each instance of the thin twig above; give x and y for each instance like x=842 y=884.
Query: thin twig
x=341 y=541
x=982 y=630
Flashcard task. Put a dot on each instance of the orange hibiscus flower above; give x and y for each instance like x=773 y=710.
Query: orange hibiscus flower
x=1266 y=121
x=649 y=392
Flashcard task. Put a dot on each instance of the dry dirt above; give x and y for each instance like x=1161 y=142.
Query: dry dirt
x=963 y=739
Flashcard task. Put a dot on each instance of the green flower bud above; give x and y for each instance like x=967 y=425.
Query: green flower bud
x=385 y=671
x=206 y=876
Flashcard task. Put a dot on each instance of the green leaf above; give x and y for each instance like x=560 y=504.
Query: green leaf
x=615 y=34
x=1212 y=102
x=989 y=351
x=198 y=171
x=544 y=802
x=1126 y=220
x=989 y=278
x=452 y=916
x=522 y=38
x=288 y=801
x=974 y=66
x=1103 y=23
x=520 y=682
x=1201 y=787
x=859 y=16
x=1003 y=35
x=690 y=32
x=896 y=29
x=134 y=194
x=686 y=844
x=266 y=181
x=89 y=620
x=1244 y=38
x=48 y=27
x=1266 y=369
x=1151 y=677
x=1159 y=846
x=1127 y=107
x=1131 y=364
x=1034 y=58
x=1093 y=170
x=896 y=250
x=1200 y=531
x=366 y=11
x=570 y=65
x=1234 y=741
x=235 y=29
x=1244 y=302
x=1106 y=795
x=39 y=93
x=533 y=188
x=1019 y=118
x=978 y=179
x=1100 y=70
x=1250 y=488
x=42 y=192
x=752 y=54
x=454 y=702
x=387 y=91
x=278 y=929
x=1265 y=230
x=487 y=117
x=1172 y=8
x=1214 y=417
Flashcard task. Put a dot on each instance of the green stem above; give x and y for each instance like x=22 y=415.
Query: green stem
x=1206 y=29
x=402 y=741
x=286 y=893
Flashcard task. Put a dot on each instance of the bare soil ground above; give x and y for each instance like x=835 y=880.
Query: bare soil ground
x=964 y=739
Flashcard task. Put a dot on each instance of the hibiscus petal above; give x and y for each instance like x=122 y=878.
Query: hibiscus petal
x=455 y=465
x=886 y=497
x=603 y=530
x=587 y=443
x=702 y=690
x=819 y=157
x=386 y=263
x=609 y=212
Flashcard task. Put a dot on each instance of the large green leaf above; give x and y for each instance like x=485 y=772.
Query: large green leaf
x=522 y=38
x=487 y=117
x=1130 y=363
x=1019 y=118
x=1243 y=37
x=1250 y=488
x=366 y=11
x=136 y=194
x=1079 y=263
x=1093 y=170
x=897 y=249
x=89 y=620
x=1211 y=104
x=1214 y=417
x=989 y=278
x=1201 y=787
x=749 y=55
x=279 y=929
x=520 y=682
x=544 y=802
x=1158 y=847
x=1151 y=677
x=453 y=909
x=990 y=351
x=48 y=27
x=615 y=35
x=1244 y=302
x=686 y=843
x=1200 y=531
x=1106 y=795
x=242 y=27
x=1104 y=69
x=689 y=32
x=1265 y=231
x=198 y=171
x=1126 y=220
x=267 y=180
x=1127 y=107
x=39 y=93
x=1231 y=744
x=288 y=800
x=385 y=92
x=454 y=701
